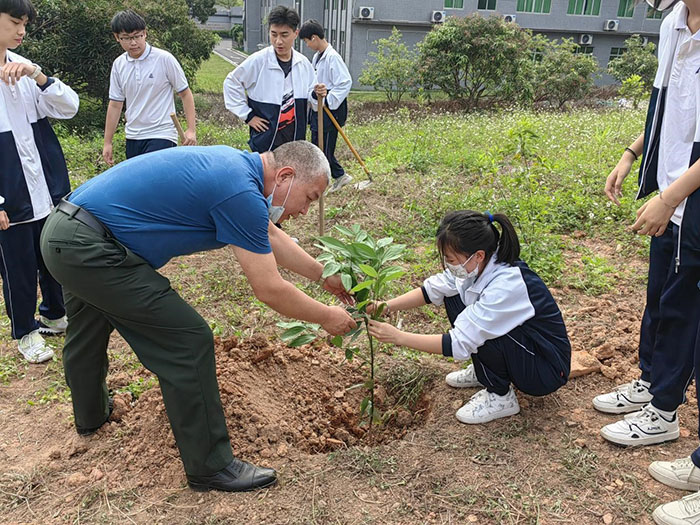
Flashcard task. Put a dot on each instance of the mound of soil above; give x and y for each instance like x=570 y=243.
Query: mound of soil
x=280 y=403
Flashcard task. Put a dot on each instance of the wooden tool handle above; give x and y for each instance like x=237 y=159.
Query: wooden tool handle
x=178 y=126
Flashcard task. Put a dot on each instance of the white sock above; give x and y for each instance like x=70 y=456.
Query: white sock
x=668 y=416
x=645 y=384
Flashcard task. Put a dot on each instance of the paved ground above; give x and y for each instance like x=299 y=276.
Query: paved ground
x=225 y=51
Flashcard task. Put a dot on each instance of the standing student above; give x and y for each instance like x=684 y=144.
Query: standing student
x=334 y=83
x=144 y=77
x=669 y=342
x=33 y=178
x=271 y=89
x=503 y=317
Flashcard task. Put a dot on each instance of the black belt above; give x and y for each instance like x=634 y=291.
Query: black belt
x=84 y=216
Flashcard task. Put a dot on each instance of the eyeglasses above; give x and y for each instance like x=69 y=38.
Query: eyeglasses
x=125 y=39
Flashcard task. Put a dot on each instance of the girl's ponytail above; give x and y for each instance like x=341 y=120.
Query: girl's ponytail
x=508 y=245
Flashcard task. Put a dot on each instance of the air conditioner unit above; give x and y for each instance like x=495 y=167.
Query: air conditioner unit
x=585 y=39
x=611 y=25
x=509 y=18
x=366 y=13
x=438 y=17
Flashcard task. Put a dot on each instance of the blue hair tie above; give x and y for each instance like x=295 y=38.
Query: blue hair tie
x=490 y=217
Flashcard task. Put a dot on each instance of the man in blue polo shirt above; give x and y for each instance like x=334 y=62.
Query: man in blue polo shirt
x=105 y=245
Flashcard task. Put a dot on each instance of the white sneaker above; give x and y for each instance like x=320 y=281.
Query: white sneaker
x=340 y=182
x=629 y=397
x=679 y=474
x=52 y=326
x=464 y=378
x=33 y=348
x=648 y=428
x=486 y=406
x=685 y=511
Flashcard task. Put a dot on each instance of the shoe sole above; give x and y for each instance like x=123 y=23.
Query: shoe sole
x=45 y=330
x=37 y=361
x=508 y=413
x=659 y=518
x=675 y=483
x=333 y=190
x=197 y=487
x=643 y=441
x=464 y=385
x=619 y=410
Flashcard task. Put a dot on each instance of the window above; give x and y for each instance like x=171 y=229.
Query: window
x=534 y=6
x=626 y=9
x=487 y=4
x=616 y=52
x=454 y=4
x=653 y=13
x=583 y=50
x=584 y=7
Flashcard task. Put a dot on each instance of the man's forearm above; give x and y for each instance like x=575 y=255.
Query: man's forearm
x=289 y=301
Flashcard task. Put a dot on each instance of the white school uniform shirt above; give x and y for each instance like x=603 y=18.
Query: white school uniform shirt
x=22 y=105
x=496 y=303
x=146 y=84
x=332 y=71
x=681 y=109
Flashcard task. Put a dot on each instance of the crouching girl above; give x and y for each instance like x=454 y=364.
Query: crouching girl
x=503 y=317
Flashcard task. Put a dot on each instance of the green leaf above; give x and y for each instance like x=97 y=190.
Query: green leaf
x=361 y=286
x=345 y=231
x=361 y=305
x=349 y=354
x=347 y=281
x=292 y=333
x=363 y=406
x=330 y=269
x=363 y=250
x=393 y=252
x=337 y=341
x=368 y=270
x=386 y=241
x=335 y=244
x=302 y=340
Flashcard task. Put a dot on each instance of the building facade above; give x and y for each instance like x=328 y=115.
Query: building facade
x=600 y=27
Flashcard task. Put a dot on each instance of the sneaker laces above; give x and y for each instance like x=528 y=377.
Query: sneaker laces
x=681 y=464
x=646 y=414
x=691 y=503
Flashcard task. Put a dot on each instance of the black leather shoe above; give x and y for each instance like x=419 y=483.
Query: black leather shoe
x=90 y=431
x=238 y=476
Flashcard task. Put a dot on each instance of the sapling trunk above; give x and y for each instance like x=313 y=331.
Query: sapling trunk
x=371 y=374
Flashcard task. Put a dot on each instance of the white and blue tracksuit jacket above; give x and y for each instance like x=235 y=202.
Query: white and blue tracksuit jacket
x=332 y=71
x=33 y=173
x=689 y=230
x=256 y=88
x=503 y=298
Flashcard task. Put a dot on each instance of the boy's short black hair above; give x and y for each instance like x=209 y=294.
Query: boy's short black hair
x=127 y=21
x=311 y=28
x=283 y=16
x=18 y=9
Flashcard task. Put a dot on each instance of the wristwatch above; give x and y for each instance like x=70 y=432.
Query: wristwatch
x=37 y=71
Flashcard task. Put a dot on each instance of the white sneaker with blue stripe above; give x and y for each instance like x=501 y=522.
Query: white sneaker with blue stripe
x=52 y=326
x=647 y=427
x=629 y=397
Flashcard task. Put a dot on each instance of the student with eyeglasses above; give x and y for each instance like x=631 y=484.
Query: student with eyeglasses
x=144 y=77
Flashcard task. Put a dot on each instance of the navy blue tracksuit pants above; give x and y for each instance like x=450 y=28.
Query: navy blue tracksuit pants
x=507 y=359
x=330 y=135
x=135 y=148
x=20 y=263
x=668 y=338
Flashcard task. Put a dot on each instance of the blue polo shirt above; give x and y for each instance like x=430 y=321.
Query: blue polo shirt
x=182 y=200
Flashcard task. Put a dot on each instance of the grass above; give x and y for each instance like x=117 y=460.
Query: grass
x=211 y=75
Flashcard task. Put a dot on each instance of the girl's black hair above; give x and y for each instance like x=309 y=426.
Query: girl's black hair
x=127 y=21
x=467 y=231
x=282 y=15
x=18 y=9
x=311 y=28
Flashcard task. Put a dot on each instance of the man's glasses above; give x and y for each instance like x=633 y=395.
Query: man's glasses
x=125 y=39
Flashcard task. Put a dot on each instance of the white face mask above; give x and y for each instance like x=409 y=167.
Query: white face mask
x=458 y=271
x=276 y=212
x=662 y=5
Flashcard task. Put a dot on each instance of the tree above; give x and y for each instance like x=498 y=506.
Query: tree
x=475 y=57
x=201 y=9
x=639 y=59
x=72 y=39
x=394 y=68
x=559 y=73
x=633 y=89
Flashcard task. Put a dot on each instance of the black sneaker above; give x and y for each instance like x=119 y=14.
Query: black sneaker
x=90 y=431
x=238 y=476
